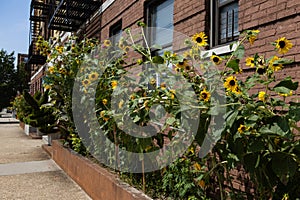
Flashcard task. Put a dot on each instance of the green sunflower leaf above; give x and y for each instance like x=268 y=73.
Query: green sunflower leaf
x=158 y=60
x=234 y=64
x=286 y=85
x=239 y=52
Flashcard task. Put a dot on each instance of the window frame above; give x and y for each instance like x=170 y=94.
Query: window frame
x=215 y=29
x=116 y=27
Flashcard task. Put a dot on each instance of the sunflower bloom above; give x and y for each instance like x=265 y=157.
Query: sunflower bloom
x=47 y=87
x=283 y=45
x=104 y=101
x=197 y=166
x=103 y=115
x=86 y=82
x=182 y=64
x=172 y=92
x=250 y=61
x=201 y=183
x=200 y=39
x=231 y=84
x=205 y=95
x=163 y=86
x=121 y=103
x=275 y=66
x=262 y=96
x=152 y=81
x=114 y=84
x=242 y=129
x=126 y=49
x=252 y=35
x=216 y=59
x=107 y=43
x=93 y=76
x=51 y=70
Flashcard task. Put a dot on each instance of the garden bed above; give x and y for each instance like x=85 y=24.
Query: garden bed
x=96 y=181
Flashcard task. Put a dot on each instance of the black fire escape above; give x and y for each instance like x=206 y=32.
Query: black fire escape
x=70 y=15
x=38 y=17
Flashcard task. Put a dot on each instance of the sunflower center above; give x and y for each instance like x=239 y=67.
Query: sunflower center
x=281 y=44
x=232 y=83
x=243 y=128
x=199 y=40
x=180 y=63
x=252 y=61
x=187 y=68
x=204 y=95
x=216 y=59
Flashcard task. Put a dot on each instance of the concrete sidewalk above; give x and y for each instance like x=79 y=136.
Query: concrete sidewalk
x=27 y=172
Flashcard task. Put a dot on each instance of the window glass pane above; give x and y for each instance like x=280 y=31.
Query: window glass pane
x=228 y=22
x=162 y=18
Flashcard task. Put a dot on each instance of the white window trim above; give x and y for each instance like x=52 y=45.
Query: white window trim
x=220 y=50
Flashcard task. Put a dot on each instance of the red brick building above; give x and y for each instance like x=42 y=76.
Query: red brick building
x=221 y=20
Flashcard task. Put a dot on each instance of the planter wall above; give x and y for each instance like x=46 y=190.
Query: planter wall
x=22 y=125
x=96 y=181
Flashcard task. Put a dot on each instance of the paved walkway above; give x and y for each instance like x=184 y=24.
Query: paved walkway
x=27 y=172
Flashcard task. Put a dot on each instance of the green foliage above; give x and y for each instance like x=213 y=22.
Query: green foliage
x=259 y=130
x=41 y=115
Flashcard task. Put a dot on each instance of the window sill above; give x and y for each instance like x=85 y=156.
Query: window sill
x=220 y=50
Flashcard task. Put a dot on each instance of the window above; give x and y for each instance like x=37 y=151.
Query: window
x=115 y=32
x=160 y=18
x=224 y=21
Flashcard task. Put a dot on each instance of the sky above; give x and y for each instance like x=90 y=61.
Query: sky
x=14 y=26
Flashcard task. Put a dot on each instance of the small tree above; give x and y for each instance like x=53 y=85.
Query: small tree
x=7 y=78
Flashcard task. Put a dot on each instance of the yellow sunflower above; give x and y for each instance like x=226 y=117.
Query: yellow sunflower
x=152 y=81
x=242 y=129
x=262 y=96
x=62 y=71
x=283 y=45
x=104 y=116
x=205 y=95
x=250 y=61
x=216 y=59
x=275 y=66
x=51 y=70
x=47 y=87
x=200 y=39
x=121 y=103
x=86 y=82
x=201 y=183
x=104 y=101
x=231 y=84
x=114 y=84
x=163 y=86
x=93 y=76
x=182 y=64
x=172 y=92
x=252 y=35
x=197 y=166
x=107 y=43
x=126 y=49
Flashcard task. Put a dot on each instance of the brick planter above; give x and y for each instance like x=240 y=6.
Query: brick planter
x=98 y=183
x=22 y=125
